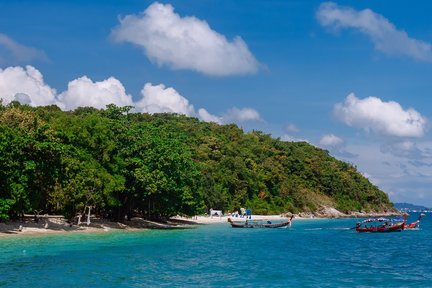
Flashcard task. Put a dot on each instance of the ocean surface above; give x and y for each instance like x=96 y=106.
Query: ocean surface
x=312 y=253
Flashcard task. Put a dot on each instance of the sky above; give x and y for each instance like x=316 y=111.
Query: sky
x=351 y=77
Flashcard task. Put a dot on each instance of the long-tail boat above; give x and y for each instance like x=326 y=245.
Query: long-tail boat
x=379 y=225
x=415 y=224
x=260 y=224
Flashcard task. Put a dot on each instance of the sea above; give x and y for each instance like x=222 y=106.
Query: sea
x=312 y=253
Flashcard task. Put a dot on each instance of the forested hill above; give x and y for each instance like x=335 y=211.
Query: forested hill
x=126 y=164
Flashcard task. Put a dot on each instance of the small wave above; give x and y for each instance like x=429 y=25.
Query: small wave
x=336 y=228
x=340 y=228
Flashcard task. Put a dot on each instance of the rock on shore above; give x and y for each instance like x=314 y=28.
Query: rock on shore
x=331 y=212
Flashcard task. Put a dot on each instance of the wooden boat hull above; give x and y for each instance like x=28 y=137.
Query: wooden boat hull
x=382 y=229
x=259 y=225
x=414 y=225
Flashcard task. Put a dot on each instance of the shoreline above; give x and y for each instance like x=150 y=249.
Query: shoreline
x=60 y=226
x=50 y=226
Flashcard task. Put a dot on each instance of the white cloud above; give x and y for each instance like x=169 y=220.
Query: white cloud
x=289 y=138
x=336 y=146
x=26 y=84
x=291 y=128
x=397 y=173
x=12 y=53
x=184 y=42
x=382 y=118
x=241 y=115
x=159 y=99
x=84 y=92
x=385 y=36
x=23 y=98
x=204 y=115
x=331 y=140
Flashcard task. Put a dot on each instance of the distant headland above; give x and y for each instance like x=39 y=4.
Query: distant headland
x=406 y=207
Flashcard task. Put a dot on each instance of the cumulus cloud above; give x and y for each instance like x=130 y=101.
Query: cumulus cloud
x=398 y=173
x=331 y=140
x=184 y=42
x=27 y=85
x=204 y=115
x=290 y=138
x=83 y=92
x=22 y=98
x=385 y=36
x=241 y=115
x=336 y=146
x=159 y=99
x=382 y=118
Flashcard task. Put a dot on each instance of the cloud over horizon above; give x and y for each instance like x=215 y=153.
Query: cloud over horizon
x=184 y=42
x=159 y=99
x=382 y=118
x=83 y=92
x=291 y=128
x=241 y=115
x=384 y=35
x=406 y=164
x=27 y=86
x=331 y=140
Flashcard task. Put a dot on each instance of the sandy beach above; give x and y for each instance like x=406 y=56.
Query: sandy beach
x=224 y=219
x=58 y=225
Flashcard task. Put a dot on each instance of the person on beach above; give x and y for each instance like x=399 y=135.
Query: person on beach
x=242 y=212
x=248 y=213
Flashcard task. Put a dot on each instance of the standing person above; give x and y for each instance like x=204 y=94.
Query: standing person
x=242 y=212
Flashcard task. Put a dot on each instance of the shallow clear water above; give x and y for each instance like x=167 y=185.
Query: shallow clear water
x=313 y=253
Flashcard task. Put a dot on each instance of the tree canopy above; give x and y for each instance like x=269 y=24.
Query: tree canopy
x=125 y=163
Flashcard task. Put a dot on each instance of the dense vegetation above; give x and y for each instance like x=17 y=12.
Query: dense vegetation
x=126 y=163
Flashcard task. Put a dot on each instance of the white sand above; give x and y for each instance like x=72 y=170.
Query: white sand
x=224 y=219
x=53 y=226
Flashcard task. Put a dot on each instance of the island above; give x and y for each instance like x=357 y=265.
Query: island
x=122 y=165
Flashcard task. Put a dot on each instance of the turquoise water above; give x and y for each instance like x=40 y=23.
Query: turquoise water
x=313 y=253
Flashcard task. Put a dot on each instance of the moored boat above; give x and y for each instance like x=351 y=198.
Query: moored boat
x=413 y=225
x=260 y=224
x=379 y=225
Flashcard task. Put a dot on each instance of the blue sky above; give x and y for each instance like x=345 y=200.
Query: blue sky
x=352 y=77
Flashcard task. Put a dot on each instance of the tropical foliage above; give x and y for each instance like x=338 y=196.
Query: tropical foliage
x=125 y=164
